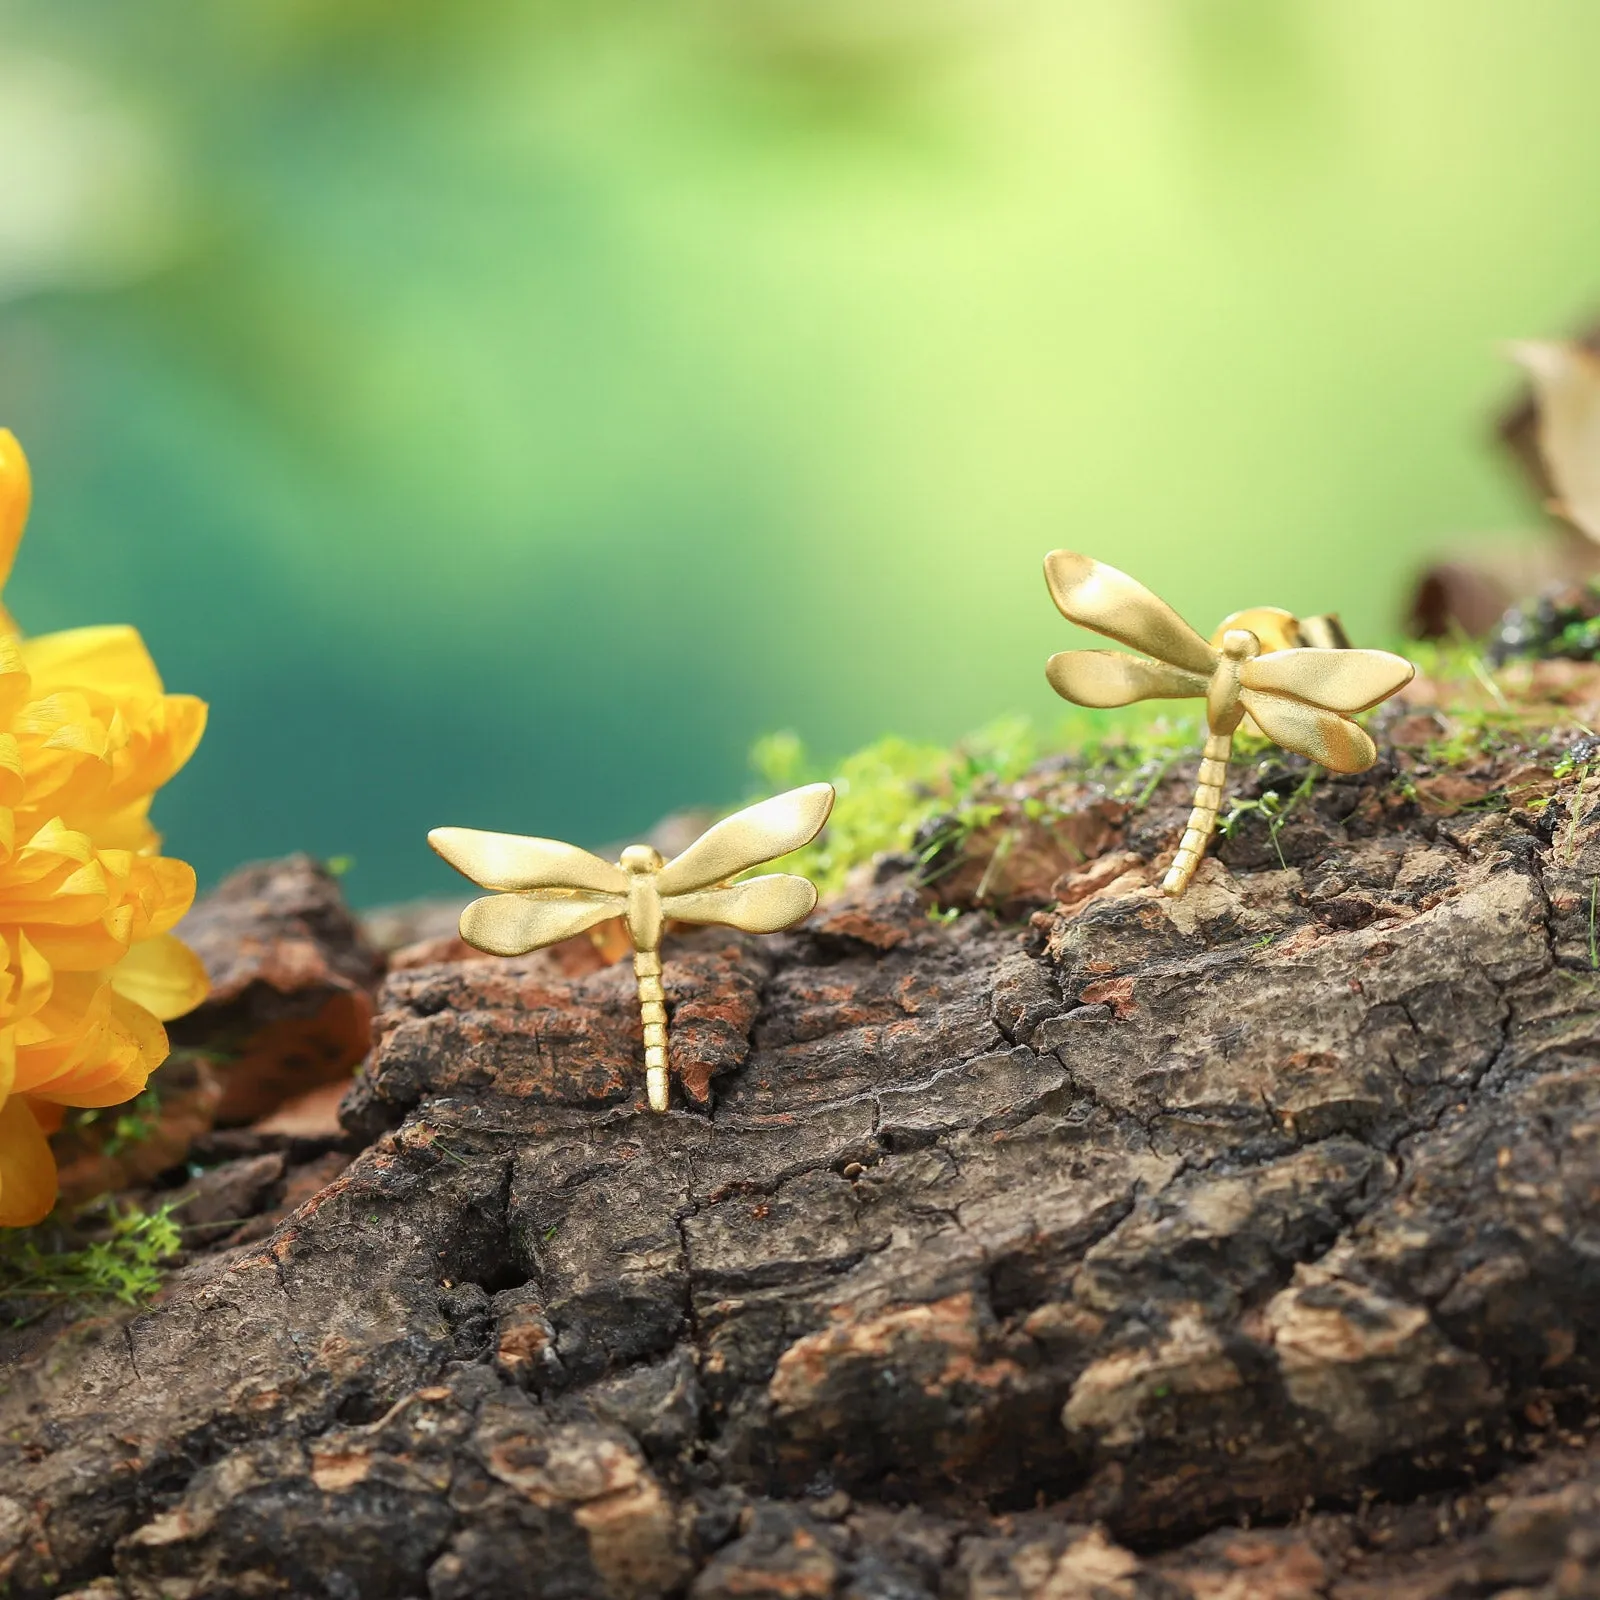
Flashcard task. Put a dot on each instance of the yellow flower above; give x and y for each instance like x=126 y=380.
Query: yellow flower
x=89 y=968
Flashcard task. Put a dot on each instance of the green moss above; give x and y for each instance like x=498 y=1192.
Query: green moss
x=131 y=1123
x=887 y=791
x=1144 y=752
x=1274 y=807
x=121 y=1260
x=1483 y=719
x=892 y=789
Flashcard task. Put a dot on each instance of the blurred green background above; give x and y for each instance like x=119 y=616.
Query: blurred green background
x=503 y=413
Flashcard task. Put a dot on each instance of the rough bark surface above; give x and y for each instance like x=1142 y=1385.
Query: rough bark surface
x=292 y=977
x=1242 y=1246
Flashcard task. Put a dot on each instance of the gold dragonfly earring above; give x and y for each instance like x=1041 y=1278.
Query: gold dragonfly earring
x=1297 y=691
x=551 y=891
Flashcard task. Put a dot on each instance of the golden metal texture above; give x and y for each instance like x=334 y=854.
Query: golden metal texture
x=1297 y=690
x=550 y=891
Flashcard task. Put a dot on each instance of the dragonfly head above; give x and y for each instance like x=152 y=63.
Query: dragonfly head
x=1276 y=628
x=638 y=859
x=1240 y=644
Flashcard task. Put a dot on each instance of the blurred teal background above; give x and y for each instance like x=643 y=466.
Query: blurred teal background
x=503 y=413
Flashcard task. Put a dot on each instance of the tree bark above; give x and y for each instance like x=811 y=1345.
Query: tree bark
x=1242 y=1245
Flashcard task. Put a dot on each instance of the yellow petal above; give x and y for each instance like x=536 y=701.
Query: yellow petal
x=141 y=1030
x=10 y=769
x=16 y=490
x=16 y=687
x=160 y=739
x=49 y=1117
x=88 y=882
x=91 y=947
x=111 y=660
x=47 y=899
x=119 y=1080
x=35 y=979
x=55 y=1066
x=27 y=1168
x=163 y=889
x=66 y=720
x=56 y=839
x=163 y=975
x=116 y=863
x=121 y=1046
x=68 y=1038
x=125 y=829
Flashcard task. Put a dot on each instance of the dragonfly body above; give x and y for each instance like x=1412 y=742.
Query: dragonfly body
x=1298 y=697
x=1224 y=708
x=643 y=866
x=1224 y=713
x=550 y=891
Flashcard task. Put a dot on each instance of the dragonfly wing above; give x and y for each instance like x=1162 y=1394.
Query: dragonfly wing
x=758 y=905
x=1097 y=596
x=513 y=924
x=1325 y=736
x=1340 y=680
x=513 y=862
x=758 y=833
x=1110 y=678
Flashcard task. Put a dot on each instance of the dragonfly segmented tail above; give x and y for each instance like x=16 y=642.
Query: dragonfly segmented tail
x=653 y=1014
x=1203 y=819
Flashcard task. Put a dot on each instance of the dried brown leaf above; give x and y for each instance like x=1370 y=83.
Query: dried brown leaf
x=1566 y=380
